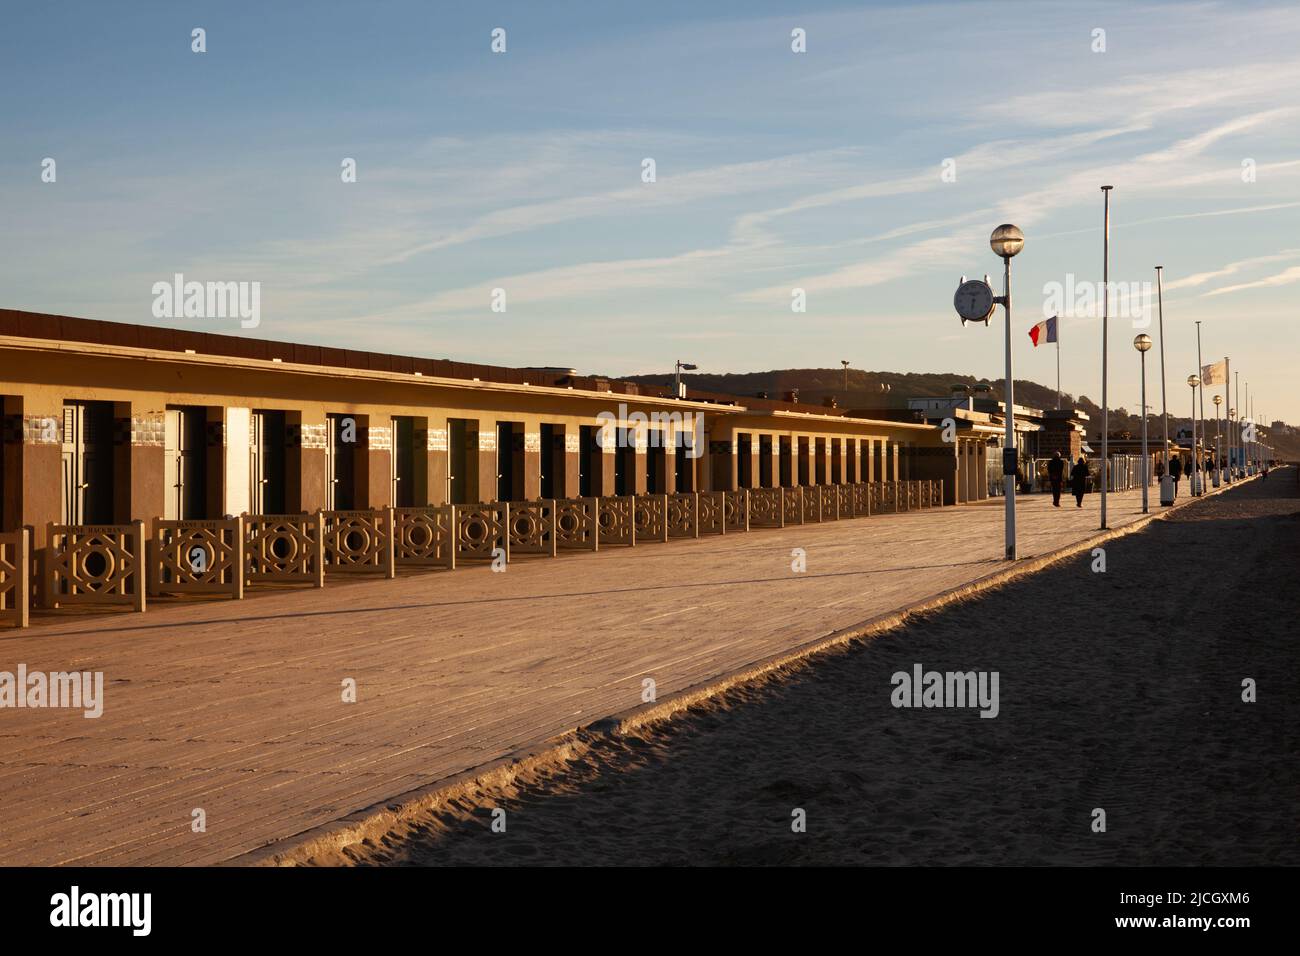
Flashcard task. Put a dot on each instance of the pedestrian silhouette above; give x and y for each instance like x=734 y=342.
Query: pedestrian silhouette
x=1079 y=481
x=1055 y=476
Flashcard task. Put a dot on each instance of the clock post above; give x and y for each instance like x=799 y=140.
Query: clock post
x=974 y=302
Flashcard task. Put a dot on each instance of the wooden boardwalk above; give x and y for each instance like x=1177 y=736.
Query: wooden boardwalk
x=236 y=708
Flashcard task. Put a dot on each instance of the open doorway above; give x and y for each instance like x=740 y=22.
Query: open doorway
x=267 y=458
x=410 y=463
x=185 y=465
x=510 y=461
x=341 y=458
x=589 y=460
x=87 y=458
x=744 y=461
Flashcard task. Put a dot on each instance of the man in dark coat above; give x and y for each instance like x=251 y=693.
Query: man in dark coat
x=1176 y=471
x=1079 y=481
x=1055 y=476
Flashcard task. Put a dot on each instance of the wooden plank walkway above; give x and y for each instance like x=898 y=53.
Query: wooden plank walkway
x=236 y=707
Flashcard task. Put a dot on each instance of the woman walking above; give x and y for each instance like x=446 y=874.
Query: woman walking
x=1079 y=481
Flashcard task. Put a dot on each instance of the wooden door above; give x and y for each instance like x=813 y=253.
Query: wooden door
x=340 y=463
x=87 y=459
x=73 y=471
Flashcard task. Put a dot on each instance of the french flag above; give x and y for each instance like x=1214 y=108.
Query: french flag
x=1044 y=331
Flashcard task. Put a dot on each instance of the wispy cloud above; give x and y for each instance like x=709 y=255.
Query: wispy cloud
x=669 y=188
x=1149 y=98
x=1232 y=268
x=1286 y=277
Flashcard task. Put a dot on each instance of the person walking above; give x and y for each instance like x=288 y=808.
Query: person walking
x=1079 y=481
x=1176 y=471
x=1056 y=477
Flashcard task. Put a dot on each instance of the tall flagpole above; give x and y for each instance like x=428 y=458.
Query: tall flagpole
x=1250 y=413
x=1246 y=412
x=1200 y=370
x=1255 y=429
x=1227 y=401
x=1105 y=331
x=1255 y=432
x=1166 y=482
x=1241 y=448
x=1191 y=473
x=1198 y=362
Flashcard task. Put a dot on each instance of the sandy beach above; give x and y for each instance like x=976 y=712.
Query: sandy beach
x=1119 y=690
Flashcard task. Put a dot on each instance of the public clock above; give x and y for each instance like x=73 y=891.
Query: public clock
x=974 y=301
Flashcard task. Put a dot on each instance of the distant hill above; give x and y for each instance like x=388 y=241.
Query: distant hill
x=893 y=389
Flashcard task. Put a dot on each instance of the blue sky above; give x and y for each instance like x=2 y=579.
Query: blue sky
x=775 y=170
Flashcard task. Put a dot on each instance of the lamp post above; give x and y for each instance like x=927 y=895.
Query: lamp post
x=677 y=377
x=1006 y=241
x=1193 y=381
x=1143 y=343
x=845 y=363
x=1218 y=437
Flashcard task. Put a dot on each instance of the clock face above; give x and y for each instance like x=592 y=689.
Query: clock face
x=974 y=301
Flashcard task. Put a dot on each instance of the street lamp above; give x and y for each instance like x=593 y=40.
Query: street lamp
x=1193 y=381
x=1007 y=240
x=845 y=363
x=677 y=381
x=1218 y=437
x=1143 y=343
x=975 y=302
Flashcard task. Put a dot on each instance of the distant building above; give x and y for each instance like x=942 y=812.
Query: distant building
x=1039 y=433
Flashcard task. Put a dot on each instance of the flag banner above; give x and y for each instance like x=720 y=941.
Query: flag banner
x=1216 y=374
x=1044 y=331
